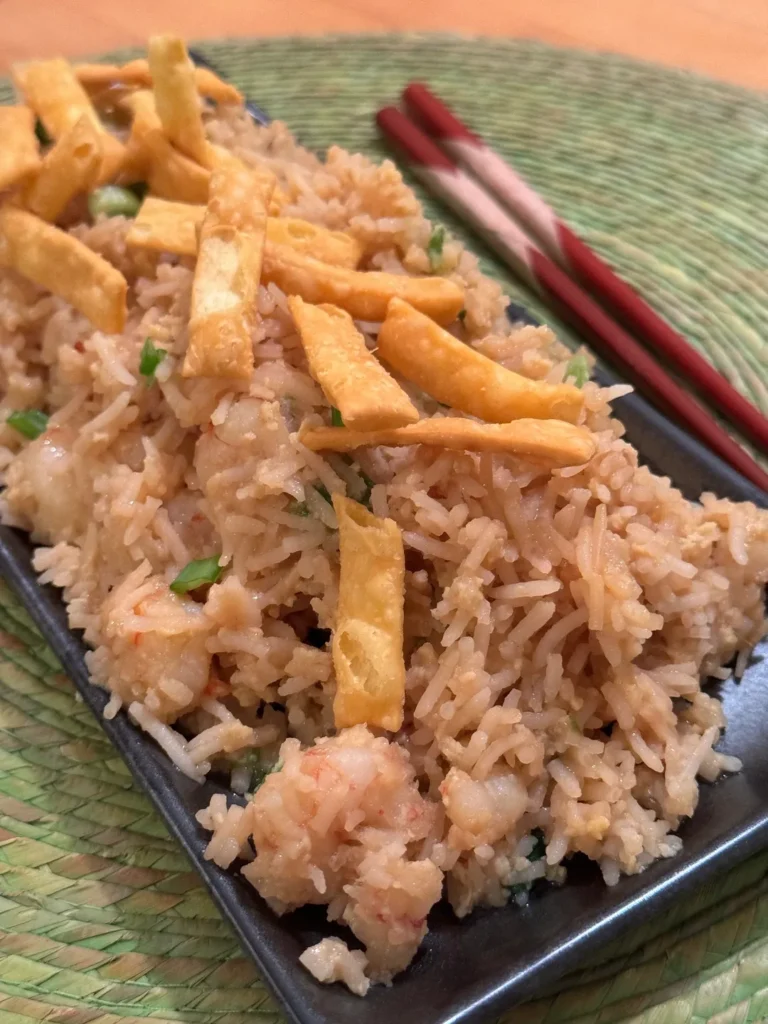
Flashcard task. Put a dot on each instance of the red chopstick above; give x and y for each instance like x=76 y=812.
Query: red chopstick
x=571 y=253
x=439 y=172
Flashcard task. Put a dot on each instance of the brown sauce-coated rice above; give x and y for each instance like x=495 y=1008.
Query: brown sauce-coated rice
x=557 y=623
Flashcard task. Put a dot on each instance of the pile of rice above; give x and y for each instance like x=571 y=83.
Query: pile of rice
x=558 y=624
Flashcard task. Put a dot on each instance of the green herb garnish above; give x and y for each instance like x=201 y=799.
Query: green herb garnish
x=29 y=422
x=539 y=846
x=519 y=887
x=365 y=497
x=578 y=370
x=251 y=761
x=299 y=508
x=113 y=201
x=150 y=359
x=575 y=723
x=197 y=574
x=435 y=247
x=538 y=851
x=336 y=418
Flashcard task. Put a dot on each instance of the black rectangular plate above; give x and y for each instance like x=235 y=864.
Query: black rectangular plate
x=467 y=971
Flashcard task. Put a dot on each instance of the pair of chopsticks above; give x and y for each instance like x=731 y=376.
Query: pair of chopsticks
x=484 y=190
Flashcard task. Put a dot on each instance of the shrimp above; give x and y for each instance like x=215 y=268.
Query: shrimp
x=337 y=825
x=157 y=642
x=43 y=490
x=481 y=812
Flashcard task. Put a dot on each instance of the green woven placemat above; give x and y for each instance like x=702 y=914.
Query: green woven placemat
x=101 y=919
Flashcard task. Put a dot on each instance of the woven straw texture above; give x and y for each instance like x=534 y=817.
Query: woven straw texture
x=101 y=920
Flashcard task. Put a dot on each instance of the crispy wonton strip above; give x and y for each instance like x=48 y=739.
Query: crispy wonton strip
x=364 y=295
x=69 y=167
x=168 y=172
x=166 y=226
x=173 y=175
x=137 y=73
x=227 y=274
x=551 y=442
x=351 y=378
x=176 y=98
x=54 y=93
x=218 y=155
x=172 y=227
x=334 y=247
x=64 y=266
x=368 y=638
x=19 y=153
x=141 y=105
x=463 y=378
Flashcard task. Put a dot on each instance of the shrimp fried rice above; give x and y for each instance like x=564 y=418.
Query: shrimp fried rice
x=558 y=621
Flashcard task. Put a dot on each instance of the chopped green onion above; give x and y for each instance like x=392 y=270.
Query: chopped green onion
x=574 y=722
x=299 y=508
x=113 y=201
x=29 y=422
x=197 y=574
x=262 y=773
x=336 y=418
x=518 y=888
x=578 y=370
x=539 y=847
x=461 y=316
x=150 y=359
x=251 y=761
x=435 y=247
x=42 y=135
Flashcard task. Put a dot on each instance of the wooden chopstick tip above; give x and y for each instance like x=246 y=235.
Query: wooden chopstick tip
x=434 y=116
x=408 y=137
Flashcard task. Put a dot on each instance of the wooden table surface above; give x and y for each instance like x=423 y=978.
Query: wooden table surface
x=727 y=39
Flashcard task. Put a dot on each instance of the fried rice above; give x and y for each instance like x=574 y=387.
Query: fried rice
x=558 y=623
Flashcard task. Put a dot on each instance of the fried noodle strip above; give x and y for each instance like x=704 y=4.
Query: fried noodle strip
x=59 y=100
x=167 y=226
x=71 y=166
x=351 y=377
x=334 y=247
x=364 y=295
x=368 y=639
x=549 y=442
x=169 y=173
x=137 y=73
x=19 y=153
x=227 y=274
x=176 y=98
x=464 y=379
x=61 y=264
